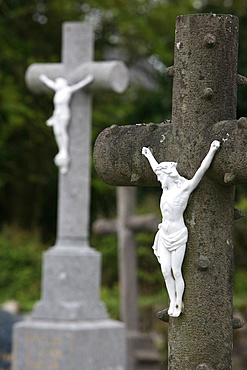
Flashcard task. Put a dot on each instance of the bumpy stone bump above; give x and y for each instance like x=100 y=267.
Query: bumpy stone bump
x=238 y=213
x=203 y=264
x=237 y=323
x=229 y=177
x=241 y=80
x=210 y=40
x=208 y=93
x=242 y=122
x=163 y=315
x=113 y=129
x=203 y=367
x=169 y=71
x=151 y=127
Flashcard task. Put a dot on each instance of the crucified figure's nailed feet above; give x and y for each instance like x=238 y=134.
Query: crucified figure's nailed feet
x=171 y=238
x=171 y=308
x=177 y=310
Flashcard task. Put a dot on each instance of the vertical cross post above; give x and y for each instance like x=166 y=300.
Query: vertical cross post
x=204 y=108
x=126 y=226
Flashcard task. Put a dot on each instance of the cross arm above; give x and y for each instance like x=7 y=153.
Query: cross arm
x=230 y=163
x=33 y=73
x=112 y=75
x=119 y=161
x=118 y=155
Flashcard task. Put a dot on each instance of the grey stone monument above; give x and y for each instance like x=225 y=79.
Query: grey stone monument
x=69 y=327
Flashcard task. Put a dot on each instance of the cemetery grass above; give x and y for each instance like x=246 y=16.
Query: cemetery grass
x=21 y=262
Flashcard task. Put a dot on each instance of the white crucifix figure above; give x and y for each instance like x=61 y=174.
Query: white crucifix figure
x=171 y=238
x=62 y=114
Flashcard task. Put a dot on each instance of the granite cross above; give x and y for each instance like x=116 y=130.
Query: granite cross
x=205 y=83
x=74 y=186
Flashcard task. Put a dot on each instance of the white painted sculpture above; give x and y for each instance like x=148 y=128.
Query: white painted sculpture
x=171 y=238
x=62 y=114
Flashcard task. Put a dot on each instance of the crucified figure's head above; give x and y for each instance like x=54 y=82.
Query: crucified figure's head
x=167 y=173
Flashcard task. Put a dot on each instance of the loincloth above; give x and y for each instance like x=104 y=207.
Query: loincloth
x=171 y=242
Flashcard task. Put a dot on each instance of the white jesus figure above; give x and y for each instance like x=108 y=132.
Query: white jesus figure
x=62 y=114
x=171 y=238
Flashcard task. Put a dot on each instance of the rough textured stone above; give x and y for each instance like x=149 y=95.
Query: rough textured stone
x=204 y=108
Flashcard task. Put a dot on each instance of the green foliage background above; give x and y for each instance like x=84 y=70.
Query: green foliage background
x=140 y=32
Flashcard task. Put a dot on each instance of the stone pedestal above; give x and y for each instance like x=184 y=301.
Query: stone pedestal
x=80 y=345
x=69 y=328
x=71 y=285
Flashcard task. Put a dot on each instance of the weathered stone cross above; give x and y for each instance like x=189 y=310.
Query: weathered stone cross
x=204 y=108
x=74 y=186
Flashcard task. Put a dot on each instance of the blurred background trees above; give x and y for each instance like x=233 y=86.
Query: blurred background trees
x=140 y=32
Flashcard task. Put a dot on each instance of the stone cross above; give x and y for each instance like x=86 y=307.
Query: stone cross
x=71 y=269
x=74 y=187
x=205 y=83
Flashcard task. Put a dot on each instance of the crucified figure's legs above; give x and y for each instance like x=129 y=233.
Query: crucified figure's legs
x=62 y=139
x=171 y=265
x=177 y=258
x=166 y=264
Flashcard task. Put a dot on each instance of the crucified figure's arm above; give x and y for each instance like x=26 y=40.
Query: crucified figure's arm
x=48 y=82
x=204 y=165
x=147 y=153
x=79 y=85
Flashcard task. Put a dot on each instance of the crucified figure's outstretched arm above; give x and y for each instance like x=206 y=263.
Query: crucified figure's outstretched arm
x=204 y=165
x=79 y=85
x=48 y=82
x=147 y=153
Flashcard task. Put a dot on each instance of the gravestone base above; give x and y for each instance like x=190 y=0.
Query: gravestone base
x=84 y=345
x=69 y=328
x=70 y=285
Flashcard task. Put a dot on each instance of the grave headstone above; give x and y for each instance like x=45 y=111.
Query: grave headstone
x=70 y=328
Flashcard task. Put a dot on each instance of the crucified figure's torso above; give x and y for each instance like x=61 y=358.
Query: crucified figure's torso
x=172 y=205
